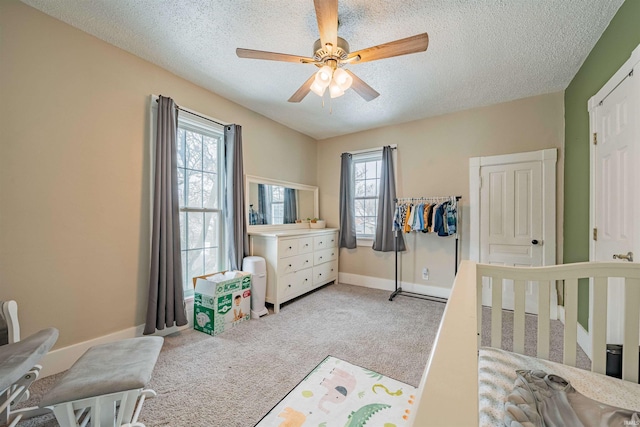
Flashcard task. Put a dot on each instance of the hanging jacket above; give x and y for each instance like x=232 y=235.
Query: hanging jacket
x=438 y=226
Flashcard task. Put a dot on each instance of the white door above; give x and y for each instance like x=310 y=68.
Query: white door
x=513 y=199
x=615 y=160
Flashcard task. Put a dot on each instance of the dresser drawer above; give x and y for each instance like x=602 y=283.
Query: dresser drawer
x=324 y=255
x=288 y=247
x=305 y=245
x=325 y=241
x=324 y=273
x=295 y=263
x=294 y=284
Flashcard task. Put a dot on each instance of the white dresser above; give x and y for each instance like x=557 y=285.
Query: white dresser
x=298 y=261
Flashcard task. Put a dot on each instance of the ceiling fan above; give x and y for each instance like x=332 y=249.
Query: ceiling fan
x=331 y=54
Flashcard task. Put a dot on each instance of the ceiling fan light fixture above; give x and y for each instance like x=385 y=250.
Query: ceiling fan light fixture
x=324 y=75
x=343 y=79
x=317 y=88
x=335 y=90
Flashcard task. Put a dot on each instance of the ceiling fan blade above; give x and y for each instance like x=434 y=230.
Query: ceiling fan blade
x=327 y=16
x=272 y=56
x=413 y=44
x=303 y=90
x=362 y=89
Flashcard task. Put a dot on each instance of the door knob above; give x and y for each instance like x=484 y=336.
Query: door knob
x=628 y=256
x=534 y=242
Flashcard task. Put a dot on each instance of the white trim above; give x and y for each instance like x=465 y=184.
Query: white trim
x=584 y=340
x=61 y=359
x=389 y=285
x=475 y=184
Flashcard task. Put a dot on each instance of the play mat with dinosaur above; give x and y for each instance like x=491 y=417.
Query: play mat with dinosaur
x=337 y=393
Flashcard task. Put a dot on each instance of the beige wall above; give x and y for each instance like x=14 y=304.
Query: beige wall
x=433 y=159
x=74 y=168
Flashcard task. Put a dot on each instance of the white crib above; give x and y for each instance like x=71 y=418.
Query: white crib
x=448 y=391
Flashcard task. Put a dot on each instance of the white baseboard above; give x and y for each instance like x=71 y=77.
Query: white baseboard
x=584 y=338
x=61 y=359
x=389 y=285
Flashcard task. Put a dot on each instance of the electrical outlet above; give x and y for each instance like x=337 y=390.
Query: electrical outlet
x=425 y=273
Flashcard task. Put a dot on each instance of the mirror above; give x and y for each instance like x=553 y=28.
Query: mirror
x=271 y=202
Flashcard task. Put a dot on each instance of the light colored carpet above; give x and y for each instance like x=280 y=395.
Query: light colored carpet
x=235 y=378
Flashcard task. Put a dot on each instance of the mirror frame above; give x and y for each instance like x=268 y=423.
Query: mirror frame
x=252 y=179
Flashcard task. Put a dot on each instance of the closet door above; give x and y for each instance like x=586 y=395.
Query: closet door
x=512 y=203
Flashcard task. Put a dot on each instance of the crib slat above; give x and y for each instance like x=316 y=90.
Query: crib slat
x=631 y=319
x=570 y=322
x=496 y=311
x=543 y=319
x=518 y=316
x=599 y=326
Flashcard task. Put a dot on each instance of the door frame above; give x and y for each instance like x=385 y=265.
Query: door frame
x=548 y=158
x=584 y=338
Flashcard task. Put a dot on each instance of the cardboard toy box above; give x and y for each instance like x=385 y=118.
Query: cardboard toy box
x=221 y=304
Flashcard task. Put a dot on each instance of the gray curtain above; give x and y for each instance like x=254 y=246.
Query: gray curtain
x=290 y=209
x=347 y=208
x=264 y=204
x=166 y=298
x=236 y=226
x=383 y=240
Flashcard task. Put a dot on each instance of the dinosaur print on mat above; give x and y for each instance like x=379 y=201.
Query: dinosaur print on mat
x=362 y=415
x=337 y=393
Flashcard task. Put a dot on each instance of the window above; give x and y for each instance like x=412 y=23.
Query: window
x=367 y=169
x=277 y=204
x=199 y=147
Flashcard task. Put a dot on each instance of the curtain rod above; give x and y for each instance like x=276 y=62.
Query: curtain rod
x=372 y=150
x=202 y=117
x=186 y=110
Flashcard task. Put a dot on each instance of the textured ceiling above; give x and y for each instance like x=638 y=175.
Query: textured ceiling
x=481 y=52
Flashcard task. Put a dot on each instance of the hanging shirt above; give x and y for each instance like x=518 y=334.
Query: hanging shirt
x=407 y=222
x=418 y=218
x=452 y=217
x=425 y=217
x=397 y=217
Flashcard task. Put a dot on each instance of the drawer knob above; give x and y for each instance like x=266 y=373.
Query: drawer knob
x=290 y=247
x=306 y=280
x=320 y=258
x=289 y=265
x=306 y=261
x=319 y=274
x=289 y=285
x=332 y=269
x=332 y=254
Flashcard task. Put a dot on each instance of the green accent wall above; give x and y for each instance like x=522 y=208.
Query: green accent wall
x=613 y=49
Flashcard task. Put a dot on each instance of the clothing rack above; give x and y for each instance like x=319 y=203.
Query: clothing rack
x=434 y=199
